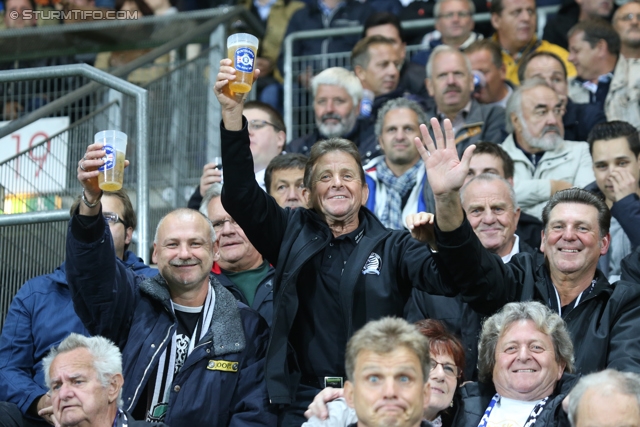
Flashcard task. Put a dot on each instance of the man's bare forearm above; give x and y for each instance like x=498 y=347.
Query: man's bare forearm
x=449 y=213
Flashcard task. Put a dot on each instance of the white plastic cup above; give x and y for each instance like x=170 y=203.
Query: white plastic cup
x=111 y=174
x=242 y=49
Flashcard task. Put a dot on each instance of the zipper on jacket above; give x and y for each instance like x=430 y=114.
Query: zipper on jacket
x=146 y=370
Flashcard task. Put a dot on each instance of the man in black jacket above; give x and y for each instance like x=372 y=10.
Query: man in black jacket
x=337 y=267
x=602 y=318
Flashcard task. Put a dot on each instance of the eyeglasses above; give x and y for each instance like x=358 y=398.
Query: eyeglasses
x=113 y=218
x=218 y=225
x=450 y=15
x=629 y=17
x=255 y=125
x=449 y=369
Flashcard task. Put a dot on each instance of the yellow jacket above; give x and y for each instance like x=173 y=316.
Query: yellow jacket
x=536 y=45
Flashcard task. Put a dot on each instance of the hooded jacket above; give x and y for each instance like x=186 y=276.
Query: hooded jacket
x=221 y=382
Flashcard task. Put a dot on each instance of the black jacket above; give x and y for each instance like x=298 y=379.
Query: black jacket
x=557 y=27
x=476 y=396
x=377 y=279
x=604 y=327
x=579 y=119
x=457 y=316
x=529 y=229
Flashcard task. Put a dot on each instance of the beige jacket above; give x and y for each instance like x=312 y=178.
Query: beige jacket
x=623 y=100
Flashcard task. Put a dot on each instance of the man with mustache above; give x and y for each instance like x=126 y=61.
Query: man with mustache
x=397 y=179
x=544 y=162
x=337 y=93
x=193 y=355
x=450 y=82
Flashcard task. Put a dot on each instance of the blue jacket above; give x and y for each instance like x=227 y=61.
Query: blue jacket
x=41 y=315
x=137 y=315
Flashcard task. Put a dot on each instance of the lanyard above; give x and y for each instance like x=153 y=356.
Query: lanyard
x=122 y=417
x=531 y=420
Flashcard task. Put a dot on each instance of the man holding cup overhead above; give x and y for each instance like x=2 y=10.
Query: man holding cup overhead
x=193 y=355
x=337 y=266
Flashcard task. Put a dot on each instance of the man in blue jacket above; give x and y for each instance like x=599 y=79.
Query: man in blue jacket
x=193 y=355
x=41 y=315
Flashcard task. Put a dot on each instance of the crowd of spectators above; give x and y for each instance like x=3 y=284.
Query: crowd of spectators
x=490 y=183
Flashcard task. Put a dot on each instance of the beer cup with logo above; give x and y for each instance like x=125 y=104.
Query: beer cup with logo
x=111 y=174
x=242 y=49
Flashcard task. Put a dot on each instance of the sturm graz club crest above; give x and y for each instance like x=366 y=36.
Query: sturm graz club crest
x=373 y=264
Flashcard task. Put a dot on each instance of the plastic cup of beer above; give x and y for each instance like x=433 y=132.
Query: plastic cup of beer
x=242 y=49
x=111 y=174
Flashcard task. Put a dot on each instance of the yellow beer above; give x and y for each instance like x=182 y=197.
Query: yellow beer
x=111 y=175
x=242 y=49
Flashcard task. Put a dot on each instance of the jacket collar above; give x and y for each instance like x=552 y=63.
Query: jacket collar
x=227 y=331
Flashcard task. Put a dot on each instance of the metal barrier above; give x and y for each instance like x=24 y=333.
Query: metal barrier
x=30 y=245
x=183 y=123
x=135 y=125
x=298 y=103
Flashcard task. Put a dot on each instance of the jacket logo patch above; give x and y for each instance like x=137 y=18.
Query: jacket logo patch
x=373 y=264
x=222 y=365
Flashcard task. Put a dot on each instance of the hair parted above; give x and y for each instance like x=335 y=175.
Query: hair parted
x=489 y=45
x=360 y=53
x=283 y=162
x=384 y=336
x=583 y=197
x=327 y=146
x=395 y=104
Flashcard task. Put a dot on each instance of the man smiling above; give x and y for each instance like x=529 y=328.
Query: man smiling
x=193 y=354
x=601 y=317
x=336 y=265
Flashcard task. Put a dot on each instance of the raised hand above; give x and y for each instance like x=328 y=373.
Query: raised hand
x=446 y=172
x=231 y=102
x=422 y=228
x=211 y=174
